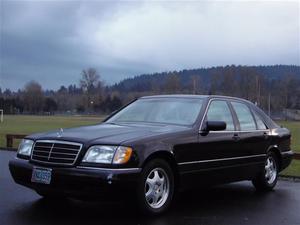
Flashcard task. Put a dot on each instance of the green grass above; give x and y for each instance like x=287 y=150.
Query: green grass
x=294 y=127
x=15 y=124
x=293 y=169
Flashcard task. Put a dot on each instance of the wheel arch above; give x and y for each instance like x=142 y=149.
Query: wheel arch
x=276 y=151
x=169 y=158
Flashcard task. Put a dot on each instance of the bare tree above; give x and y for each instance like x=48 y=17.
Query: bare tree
x=92 y=87
x=155 y=87
x=214 y=83
x=172 y=83
x=195 y=85
x=248 y=84
x=63 y=99
x=90 y=80
x=229 y=81
x=33 y=97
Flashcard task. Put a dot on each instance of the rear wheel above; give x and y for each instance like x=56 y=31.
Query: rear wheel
x=156 y=187
x=267 y=179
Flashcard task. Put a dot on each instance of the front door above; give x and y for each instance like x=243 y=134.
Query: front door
x=217 y=151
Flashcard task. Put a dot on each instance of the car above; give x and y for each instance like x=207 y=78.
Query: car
x=154 y=147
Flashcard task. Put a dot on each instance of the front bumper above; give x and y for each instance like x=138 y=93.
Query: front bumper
x=78 y=181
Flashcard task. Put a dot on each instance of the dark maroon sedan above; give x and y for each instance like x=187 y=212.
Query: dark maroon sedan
x=154 y=147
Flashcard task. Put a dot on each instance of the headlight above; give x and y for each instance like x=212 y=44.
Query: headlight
x=107 y=154
x=25 y=147
x=100 y=154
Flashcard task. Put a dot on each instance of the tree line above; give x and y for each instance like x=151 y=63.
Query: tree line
x=276 y=88
x=90 y=96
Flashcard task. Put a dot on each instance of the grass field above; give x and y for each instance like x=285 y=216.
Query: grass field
x=32 y=124
x=294 y=127
x=293 y=169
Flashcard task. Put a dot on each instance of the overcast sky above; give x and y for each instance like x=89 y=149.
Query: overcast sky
x=52 y=41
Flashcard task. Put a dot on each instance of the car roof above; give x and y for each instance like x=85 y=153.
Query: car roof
x=175 y=96
x=194 y=96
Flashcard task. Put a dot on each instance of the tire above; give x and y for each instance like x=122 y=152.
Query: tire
x=267 y=179
x=155 y=190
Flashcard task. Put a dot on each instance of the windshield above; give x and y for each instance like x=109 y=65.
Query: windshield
x=179 y=111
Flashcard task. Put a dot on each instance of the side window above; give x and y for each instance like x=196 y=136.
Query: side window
x=219 y=111
x=244 y=116
x=260 y=124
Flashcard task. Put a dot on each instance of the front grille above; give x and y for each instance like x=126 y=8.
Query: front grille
x=55 y=152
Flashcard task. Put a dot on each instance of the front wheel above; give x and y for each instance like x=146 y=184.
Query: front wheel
x=267 y=179
x=156 y=187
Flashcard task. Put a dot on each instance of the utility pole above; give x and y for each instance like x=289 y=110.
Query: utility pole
x=257 y=90
x=269 y=105
x=194 y=86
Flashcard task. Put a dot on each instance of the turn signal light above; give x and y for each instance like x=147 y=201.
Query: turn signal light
x=122 y=155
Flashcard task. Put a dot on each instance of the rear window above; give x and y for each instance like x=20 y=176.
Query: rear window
x=244 y=116
x=260 y=124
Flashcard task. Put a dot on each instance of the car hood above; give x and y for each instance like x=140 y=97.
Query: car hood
x=106 y=133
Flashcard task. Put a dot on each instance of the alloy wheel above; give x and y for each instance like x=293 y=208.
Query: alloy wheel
x=270 y=170
x=157 y=188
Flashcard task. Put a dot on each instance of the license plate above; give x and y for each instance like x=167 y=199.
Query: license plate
x=41 y=175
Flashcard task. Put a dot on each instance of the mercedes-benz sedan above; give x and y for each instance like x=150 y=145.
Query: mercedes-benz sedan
x=154 y=147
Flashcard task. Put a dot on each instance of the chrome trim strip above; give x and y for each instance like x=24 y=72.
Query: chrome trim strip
x=109 y=169
x=58 y=142
x=238 y=131
x=224 y=159
x=56 y=153
x=46 y=157
x=290 y=152
x=49 y=151
x=205 y=112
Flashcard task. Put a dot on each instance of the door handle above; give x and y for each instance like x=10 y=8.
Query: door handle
x=236 y=137
x=266 y=136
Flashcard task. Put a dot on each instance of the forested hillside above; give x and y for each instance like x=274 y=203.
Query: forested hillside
x=274 y=86
x=205 y=76
x=280 y=83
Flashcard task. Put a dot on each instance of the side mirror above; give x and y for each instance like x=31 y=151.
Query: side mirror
x=215 y=125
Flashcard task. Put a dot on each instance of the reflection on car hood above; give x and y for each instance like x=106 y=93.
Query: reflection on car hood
x=107 y=133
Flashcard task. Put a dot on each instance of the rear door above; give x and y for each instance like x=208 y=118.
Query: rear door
x=253 y=135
